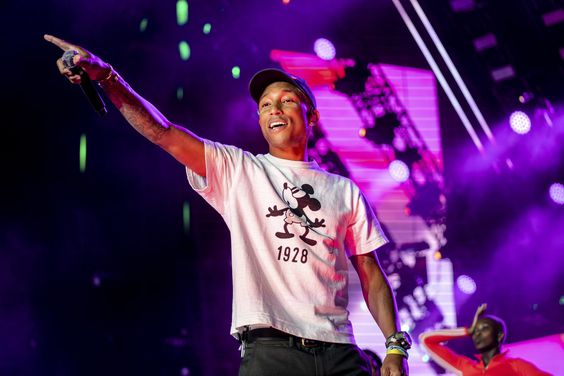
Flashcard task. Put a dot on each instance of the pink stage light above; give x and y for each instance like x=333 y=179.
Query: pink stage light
x=398 y=171
x=324 y=49
x=520 y=122
x=546 y=353
x=556 y=192
x=466 y=284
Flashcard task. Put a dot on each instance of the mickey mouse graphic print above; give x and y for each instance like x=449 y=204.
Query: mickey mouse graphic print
x=300 y=201
x=293 y=227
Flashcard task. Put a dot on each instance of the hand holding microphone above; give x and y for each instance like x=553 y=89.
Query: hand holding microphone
x=82 y=67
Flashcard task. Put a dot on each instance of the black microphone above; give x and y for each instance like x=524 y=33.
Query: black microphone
x=86 y=83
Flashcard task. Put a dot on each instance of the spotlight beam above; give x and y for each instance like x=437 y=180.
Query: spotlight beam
x=453 y=71
x=440 y=77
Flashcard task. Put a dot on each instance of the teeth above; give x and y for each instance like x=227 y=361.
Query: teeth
x=277 y=124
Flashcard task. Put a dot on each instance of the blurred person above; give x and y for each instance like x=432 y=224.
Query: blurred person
x=488 y=333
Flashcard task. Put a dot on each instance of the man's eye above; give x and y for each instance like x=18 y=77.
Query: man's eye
x=287 y=100
x=264 y=105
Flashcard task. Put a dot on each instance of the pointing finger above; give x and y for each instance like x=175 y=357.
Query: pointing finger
x=63 y=45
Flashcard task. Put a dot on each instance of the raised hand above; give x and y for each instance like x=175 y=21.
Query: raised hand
x=95 y=67
x=183 y=145
x=481 y=309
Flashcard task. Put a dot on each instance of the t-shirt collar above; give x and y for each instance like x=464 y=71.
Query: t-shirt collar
x=290 y=163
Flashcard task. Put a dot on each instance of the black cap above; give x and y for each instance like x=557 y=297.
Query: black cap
x=265 y=77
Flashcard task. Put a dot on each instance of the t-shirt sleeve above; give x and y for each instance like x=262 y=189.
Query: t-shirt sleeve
x=364 y=233
x=222 y=165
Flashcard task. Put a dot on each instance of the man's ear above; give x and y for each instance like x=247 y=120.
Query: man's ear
x=313 y=117
x=500 y=337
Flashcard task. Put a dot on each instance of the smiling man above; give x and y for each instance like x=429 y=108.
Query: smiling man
x=488 y=334
x=293 y=226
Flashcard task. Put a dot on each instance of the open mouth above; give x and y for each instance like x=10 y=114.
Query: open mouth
x=276 y=124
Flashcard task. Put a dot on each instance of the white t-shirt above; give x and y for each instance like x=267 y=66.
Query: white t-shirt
x=292 y=226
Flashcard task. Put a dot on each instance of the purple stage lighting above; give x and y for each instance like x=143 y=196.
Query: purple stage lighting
x=398 y=171
x=556 y=192
x=96 y=280
x=466 y=284
x=520 y=122
x=324 y=49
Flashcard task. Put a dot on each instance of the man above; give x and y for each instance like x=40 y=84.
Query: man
x=292 y=226
x=488 y=333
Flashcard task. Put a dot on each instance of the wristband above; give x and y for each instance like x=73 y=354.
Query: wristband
x=398 y=350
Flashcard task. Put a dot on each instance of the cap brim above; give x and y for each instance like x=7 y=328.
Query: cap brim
x=260 y=81
x=265 y=77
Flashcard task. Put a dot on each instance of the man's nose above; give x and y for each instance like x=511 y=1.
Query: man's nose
x=276 y=108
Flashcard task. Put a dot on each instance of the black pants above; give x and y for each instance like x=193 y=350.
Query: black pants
x=288 y=357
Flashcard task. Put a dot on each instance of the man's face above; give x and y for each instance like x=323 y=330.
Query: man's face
x=486 y=335
x=283 y=117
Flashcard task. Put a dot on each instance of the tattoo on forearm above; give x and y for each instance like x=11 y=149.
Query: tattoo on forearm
x=143 y=116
